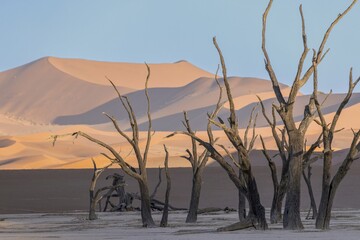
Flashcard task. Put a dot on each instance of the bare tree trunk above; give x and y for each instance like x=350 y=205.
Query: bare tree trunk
x=278 y=216
x=292 y=218
x=275 y=209
x=256 y=210
x=307 y=178
x=324 y=215
x=195 y=198
x=323 y=221
x=164 y=219
x=94 y=196
x=241 y=201
x=241 y=206
x=146 y=216
x=326 y=181
x=92 y=214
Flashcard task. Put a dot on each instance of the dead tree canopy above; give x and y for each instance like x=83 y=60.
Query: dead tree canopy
x=296 y=133
x=245 y=182
x=124 y=199
x=133 y=140
x=282 y=143
x=198 y=162
x=329 y=184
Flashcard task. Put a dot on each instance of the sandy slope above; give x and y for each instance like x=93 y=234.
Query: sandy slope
x=39 y=92
x=51 y=87
x=200 y=96
x=34 y=150
x=130 y=75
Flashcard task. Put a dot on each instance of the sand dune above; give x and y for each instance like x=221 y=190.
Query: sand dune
x=71 y=93
x=50 y=87
x=130 y=75
x=35 y=151
x=246 y=103
x=329 y=107
x=200 y=95
x=39 y=92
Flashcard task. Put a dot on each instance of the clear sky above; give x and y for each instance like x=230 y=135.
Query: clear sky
x=158 y=31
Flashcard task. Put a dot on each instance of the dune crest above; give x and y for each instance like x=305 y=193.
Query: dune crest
x=130 y=75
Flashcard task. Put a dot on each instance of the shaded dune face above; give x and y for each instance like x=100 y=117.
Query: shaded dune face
x=4 y=143
x=198 y=97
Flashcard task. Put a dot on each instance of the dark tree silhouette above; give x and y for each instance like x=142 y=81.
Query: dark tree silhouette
x=245 y=181
x=296 y=133
x=142 y=156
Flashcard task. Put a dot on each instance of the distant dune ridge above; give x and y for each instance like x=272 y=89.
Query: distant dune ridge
x=130 y=75
x=39 y=92
x=54 y=95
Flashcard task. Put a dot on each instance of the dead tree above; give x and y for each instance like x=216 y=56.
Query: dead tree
x=158 y=184
x=280 y=187
x=198 y=162
x=296 y=133
x=307 y=177
x=142 y=156
x=243 y=148
x=125 y=199
x=308 y=159
x=164 y=219
x=245 y=182
x=155 y=203
x=330 y=185
x=95 y=196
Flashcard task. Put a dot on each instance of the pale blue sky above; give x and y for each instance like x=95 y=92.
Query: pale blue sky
x=158 y=31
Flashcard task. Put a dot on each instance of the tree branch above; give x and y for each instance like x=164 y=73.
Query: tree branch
x=268 y=66
x=149 y=135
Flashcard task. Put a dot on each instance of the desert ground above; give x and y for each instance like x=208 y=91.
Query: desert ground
x=126 y=226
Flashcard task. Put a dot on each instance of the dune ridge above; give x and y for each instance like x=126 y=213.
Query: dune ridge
x=130 y=75
x=38 y=92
